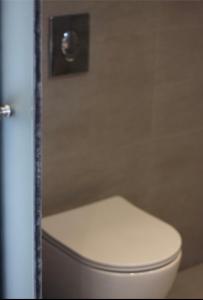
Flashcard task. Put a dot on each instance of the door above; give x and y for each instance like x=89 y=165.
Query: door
x=20 y=149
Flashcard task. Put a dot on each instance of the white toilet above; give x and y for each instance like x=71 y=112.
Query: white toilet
x=109 y=250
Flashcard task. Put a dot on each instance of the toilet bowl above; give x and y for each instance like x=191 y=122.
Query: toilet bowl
x=109 y=250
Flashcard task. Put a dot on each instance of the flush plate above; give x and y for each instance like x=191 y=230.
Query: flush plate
x=69 y=44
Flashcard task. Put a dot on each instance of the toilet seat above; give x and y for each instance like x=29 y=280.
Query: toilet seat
x=114 y=235
x=108 y=268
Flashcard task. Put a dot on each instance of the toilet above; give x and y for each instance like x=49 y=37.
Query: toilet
x=109 y=250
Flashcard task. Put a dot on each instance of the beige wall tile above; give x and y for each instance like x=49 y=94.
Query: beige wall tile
x=178 y=107
x=100 y=171
x=176 y=191
x=179 y=55
x=177 y=14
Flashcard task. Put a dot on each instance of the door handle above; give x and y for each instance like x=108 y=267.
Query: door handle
x=5 y=111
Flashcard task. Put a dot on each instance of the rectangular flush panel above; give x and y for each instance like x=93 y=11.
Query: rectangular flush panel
x=69 y=44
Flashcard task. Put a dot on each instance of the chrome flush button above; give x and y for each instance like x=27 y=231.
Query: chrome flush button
x=70 y=46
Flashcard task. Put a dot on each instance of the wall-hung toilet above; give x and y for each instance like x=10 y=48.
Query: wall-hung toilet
x=109 y=250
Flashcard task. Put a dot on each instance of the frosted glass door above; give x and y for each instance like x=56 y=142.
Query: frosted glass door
x=18 y=147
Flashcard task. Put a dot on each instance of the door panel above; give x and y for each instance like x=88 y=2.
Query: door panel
x=18 y=149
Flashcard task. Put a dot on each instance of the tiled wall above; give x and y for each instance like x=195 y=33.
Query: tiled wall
x=133 y=125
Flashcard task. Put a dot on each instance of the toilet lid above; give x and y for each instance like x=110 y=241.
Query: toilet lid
x=114 y=234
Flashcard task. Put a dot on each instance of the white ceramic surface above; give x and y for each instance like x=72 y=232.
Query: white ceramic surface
x=115 y=235
x=67 y=278
x=109 y=250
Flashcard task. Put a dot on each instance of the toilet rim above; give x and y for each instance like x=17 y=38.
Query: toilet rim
x=111 y=268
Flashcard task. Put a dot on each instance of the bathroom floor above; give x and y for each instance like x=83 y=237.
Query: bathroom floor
x=189 y=284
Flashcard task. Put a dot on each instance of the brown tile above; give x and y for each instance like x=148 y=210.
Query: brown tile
x=188 y=284
x=91 y=175
x=178 y=159
x=131 y=61
x=110 y=16
x=176 y=189
x=181 y=207
x=178 y=107
x=179 y=55
x=121 y=18
x=180 y=14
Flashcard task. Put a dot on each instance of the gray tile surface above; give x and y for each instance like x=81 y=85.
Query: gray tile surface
x=189 y=284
